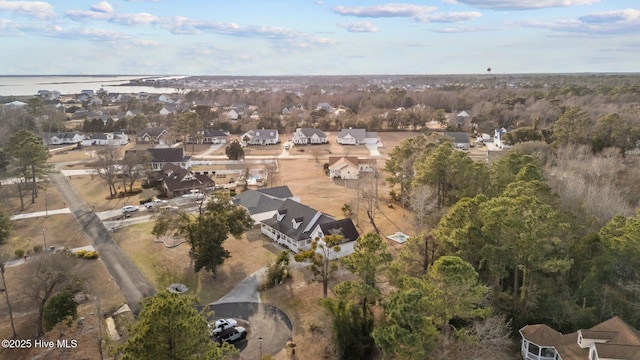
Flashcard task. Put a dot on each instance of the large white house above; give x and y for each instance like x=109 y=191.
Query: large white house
x=59 y=138
x=352 y=136
x=304 y=136
x=296 y=225
x=115 y=138
x=260 y=137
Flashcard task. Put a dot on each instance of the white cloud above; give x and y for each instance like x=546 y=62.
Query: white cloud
x=147 y=43
x=81 y=15
x=359 y=26
x=84 y=33
x=37 y=9
x=522 y=4
x=386 y=10
x=630 y=15
x=103 y=7
x=134 y=19
x=448 y=17
x=603 y=23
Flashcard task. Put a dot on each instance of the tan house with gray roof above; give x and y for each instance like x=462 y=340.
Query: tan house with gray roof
x=613 y=339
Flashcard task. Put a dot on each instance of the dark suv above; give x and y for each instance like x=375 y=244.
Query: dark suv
x=232 y=334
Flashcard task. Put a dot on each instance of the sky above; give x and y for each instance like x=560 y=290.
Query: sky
x=323 y=37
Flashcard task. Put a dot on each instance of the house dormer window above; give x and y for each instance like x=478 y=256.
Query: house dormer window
x=280 y=214
x=296 y=222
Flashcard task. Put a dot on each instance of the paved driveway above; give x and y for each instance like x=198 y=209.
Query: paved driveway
x=261 y=321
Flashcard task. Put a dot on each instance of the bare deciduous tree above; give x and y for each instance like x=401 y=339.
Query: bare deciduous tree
x=47 y=275
x=3 y=261
x=106 y=165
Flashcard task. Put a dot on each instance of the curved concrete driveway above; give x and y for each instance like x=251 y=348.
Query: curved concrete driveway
x=261 y=320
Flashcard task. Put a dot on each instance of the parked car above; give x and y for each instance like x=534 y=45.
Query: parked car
x=129 y=209
x=216 y=327
x=287 y=146
x=154 y=202
x=232 y=335
x=170 y=208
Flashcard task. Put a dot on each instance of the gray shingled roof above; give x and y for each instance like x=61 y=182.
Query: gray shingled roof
x=308 y=132
x=343 y=227
x=280 y=192
x=356 y=133
x=294 y=210
x=256 y=202
x=172 y=155
x=152 y=132
x=458 y=137
x=265 y=134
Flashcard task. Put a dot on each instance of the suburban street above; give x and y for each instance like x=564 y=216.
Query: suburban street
x=130 y=280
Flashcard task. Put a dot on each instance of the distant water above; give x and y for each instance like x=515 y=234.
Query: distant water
x=29 y=85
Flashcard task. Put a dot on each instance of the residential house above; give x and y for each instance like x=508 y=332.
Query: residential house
x=209 y=136
x=116 y=138
x=168 y=108
x=353 y=136
x=296 y=225
x=348 y=167
x=153 y=135
x=237 y=112
x=178 y=181
x=462 y=120
x=260 y=137
x=159 y=157
x=288 y=110
x=612 y=339
x=460 y=140
x=324 y=106
x=498 y=138
x=303 y=136
x=48 y=95
x=233 y=115
x=262 y=204
x=60 y=138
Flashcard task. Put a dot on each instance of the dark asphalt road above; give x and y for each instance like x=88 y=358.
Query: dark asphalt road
x=260 y=320
x=130 y=280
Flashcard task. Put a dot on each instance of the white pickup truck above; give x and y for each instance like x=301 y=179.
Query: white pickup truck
x=154 y=202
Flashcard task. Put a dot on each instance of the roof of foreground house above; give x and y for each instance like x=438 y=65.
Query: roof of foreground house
x=294 y=212
x=612 y=339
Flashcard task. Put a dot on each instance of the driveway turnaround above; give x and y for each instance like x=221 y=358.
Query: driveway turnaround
x=261 y=321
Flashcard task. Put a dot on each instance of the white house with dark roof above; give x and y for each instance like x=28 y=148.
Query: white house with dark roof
x=460 y=140
x=209 y=136
x=352 y=136
x=262 y=204
x=296 y=225
x=117 y=138
x=260 y=137
x=60 y=138
x=159 y=157
x=153 y=135
x=612 y=339
x=304 y=136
